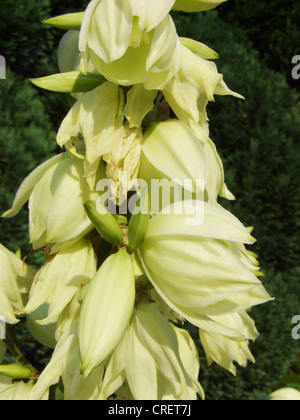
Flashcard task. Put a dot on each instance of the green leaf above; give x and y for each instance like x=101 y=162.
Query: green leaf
x=71 y=82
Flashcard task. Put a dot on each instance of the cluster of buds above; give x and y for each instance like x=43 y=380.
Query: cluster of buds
x=136 y=243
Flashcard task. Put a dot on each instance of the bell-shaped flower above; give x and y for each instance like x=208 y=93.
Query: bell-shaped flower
x=286 y=394
x=64 y=364
x=225 y=351
x=69 y=55
x=196 y=234
x=149 y=359
x=131 y=42
x=106 y=310
x=61 y=279
x=56 y=191
x=196 y=5
x=94 y=118
x=175 y=160
x=171 y=150
x=193 y=86
x=15 y=280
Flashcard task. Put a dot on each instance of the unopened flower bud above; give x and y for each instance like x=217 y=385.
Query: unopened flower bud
x=104 y=222
x=139 y=221
x=70 y=21
x=106 y=310
x=15 y=371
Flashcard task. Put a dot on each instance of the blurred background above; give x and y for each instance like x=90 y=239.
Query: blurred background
x=258 y=141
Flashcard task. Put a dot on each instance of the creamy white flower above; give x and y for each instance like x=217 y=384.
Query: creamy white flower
x=115 y=34
x=106 y=310
x=225 y=351
x=65 y=364
x=15 y=280
x=192 y=87
x=154 y=359
x=217 y=281
x=61 y=279
x=56 y=191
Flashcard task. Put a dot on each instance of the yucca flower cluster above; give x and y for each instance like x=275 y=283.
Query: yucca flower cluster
x=129 y=265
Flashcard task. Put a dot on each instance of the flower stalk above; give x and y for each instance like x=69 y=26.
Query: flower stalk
x=128 y=215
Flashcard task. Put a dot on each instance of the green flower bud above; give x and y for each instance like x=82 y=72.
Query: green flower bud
x=122 y=220
x=199 y=49
x=71 y=21
x=104 y=222
x=70 y=82
x=139 y=221
x=15 y=371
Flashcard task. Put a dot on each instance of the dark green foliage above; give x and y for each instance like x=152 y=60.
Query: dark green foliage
x=272 y=26
x=258 y=142
x=26 y=140
x=24 y=41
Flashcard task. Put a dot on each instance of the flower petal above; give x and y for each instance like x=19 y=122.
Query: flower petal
x=150 y=12
x=106 y=310
x=196 y=5
x=110 y=29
